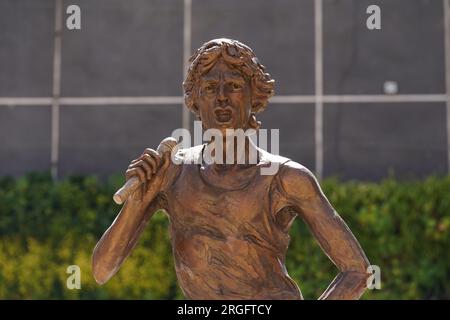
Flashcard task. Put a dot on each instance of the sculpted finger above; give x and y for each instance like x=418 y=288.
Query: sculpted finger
x=144 y=166
x=138 y=171
x=150 y=160
x=166 y=160
x=138 y=158
x=154 y=154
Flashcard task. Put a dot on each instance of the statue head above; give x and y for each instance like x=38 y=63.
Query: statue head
x=226 y=85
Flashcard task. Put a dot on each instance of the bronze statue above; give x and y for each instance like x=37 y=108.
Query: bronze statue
x=229 y=224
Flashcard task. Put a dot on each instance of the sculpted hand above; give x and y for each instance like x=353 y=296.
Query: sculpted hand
x=150 y=169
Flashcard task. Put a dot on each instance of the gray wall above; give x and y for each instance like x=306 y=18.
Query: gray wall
x=135 y=48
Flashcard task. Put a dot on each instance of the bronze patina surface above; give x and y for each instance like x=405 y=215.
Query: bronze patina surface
x=229 y=224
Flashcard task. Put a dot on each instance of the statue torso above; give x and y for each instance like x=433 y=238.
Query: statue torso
x=227 y=238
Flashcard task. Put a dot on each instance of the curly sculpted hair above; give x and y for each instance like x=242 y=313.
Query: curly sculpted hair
x=238 y=56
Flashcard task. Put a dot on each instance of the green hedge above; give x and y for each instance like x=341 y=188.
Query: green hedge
x=47 y=226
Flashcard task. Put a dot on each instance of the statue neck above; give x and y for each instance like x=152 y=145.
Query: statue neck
x=230 y=152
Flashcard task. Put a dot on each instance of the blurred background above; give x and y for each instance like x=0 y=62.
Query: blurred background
x=367 y=110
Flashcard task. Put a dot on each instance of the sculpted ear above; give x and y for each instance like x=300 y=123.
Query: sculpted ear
x=253 y=123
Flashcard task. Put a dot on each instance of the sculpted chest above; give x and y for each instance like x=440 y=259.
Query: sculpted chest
x=194 y=200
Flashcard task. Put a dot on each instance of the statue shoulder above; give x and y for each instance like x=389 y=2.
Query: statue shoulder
x=289 y=166
x=267 y=158
x=297 y=180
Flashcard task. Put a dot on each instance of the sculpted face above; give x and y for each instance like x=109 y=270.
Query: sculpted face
x=224 y=98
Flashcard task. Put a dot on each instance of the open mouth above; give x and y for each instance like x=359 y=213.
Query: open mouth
x=223 y=115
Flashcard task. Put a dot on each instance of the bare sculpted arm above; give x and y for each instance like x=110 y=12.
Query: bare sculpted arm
x=118 y=241
x=331 y=232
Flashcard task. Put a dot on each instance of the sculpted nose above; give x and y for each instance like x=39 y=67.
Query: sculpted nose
x=222 y=98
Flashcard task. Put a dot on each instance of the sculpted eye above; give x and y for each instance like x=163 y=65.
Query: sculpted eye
x=208 y=88
x=236 y=86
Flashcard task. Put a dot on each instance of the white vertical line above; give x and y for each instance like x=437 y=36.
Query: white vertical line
x=187 y=34
x=318 y=134
x=447 y=72
x=56 y=87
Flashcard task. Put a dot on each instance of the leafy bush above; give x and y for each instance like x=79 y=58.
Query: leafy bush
x=46 y=226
